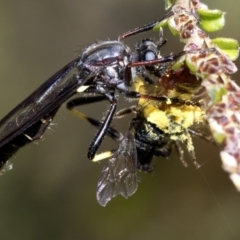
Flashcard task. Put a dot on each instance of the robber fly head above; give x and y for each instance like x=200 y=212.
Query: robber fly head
x=149 y=50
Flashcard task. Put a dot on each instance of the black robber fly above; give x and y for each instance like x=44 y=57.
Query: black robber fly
x=103 y=68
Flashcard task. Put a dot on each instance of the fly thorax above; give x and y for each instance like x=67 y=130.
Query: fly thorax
x=113 y=74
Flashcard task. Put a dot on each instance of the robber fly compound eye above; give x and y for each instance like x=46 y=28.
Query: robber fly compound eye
x=149 y=56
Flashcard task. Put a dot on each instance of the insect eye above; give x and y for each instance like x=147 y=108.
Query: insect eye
x=149 y=55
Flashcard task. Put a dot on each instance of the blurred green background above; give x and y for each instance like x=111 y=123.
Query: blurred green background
x=50 y=192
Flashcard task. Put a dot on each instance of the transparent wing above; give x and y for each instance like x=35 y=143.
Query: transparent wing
x=119 y=176
x=49 y=95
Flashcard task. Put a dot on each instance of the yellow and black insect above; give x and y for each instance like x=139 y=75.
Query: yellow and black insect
x=165 y=118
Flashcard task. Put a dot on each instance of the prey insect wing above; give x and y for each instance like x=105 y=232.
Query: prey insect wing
x=119 y=176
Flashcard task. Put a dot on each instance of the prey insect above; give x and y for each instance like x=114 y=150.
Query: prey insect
x=103 y=68
x=148 y=135
x=167 y=113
